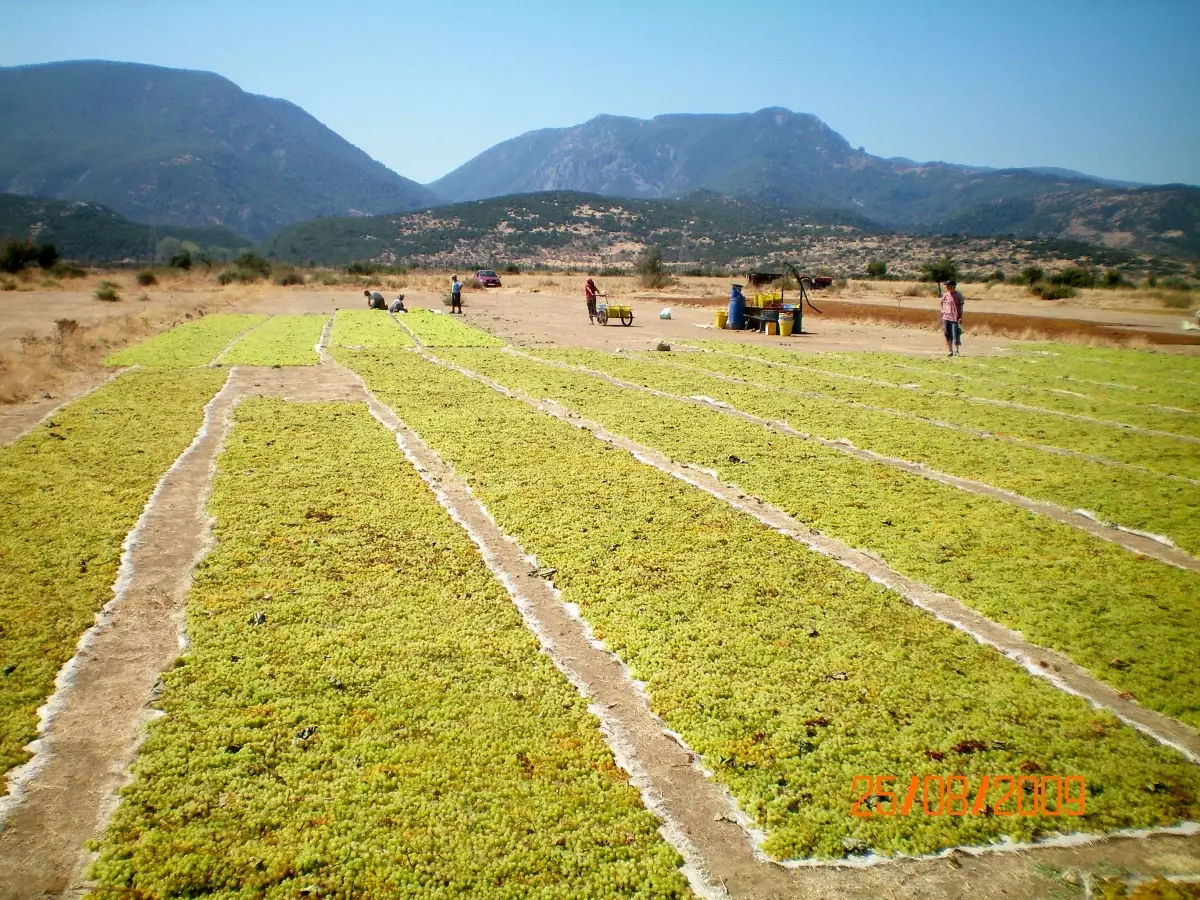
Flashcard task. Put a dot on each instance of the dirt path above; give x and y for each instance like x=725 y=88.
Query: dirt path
x=98 y=713
x=100 y=706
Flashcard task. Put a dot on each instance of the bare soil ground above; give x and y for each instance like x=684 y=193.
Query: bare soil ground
x=39 y=369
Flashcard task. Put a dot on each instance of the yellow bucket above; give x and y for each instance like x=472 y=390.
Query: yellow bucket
x=771 y=329
x=721 y=318
x=785 y=323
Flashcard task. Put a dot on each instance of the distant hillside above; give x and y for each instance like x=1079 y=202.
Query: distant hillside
x=571 y=229
x=1163 y=220
x=782 y=158
x=91 y=233
x=176 y=147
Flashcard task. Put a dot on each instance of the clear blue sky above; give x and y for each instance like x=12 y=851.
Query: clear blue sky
x=1109 y=87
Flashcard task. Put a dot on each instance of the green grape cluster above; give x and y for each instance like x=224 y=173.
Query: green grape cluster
x=280 y=341
x=360 y=711
x=367 y=328
x=1134 y=499
x=194 y=343
x=70 y=491
x=1129 y=620
x=1160 y=454
x=440 y=330
x=1133 y=377
x=786 y=672
x=1128 y=403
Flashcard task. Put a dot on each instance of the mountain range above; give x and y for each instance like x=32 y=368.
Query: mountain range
x=191 y=149
x=782 y=158
x=175 y=147
x=701 y=231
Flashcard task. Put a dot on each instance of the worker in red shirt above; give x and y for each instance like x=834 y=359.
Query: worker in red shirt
x=591 y=292
x=952 y=315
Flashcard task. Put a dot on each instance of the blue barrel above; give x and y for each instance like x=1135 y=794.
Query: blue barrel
x=737 y=309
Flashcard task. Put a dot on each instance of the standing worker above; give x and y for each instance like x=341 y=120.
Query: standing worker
x=375 y=300
x=455 y=295
x=952 y=316
x=590 y=293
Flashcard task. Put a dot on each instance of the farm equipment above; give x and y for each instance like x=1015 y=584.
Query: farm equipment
x=606 y=311
x=769 y=311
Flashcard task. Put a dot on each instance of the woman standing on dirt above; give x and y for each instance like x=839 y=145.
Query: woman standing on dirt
x=952 y=313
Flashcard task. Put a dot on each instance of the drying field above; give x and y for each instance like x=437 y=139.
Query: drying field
x=465 y=620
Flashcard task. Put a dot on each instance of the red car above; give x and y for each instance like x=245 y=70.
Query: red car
x=487 y=278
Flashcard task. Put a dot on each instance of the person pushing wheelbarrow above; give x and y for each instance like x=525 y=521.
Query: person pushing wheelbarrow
x=591 y=292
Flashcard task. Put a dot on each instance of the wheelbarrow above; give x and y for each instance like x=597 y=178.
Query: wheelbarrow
x=606 y=311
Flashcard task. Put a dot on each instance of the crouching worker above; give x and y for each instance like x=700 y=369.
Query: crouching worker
x=375 y=300
x=398 y=305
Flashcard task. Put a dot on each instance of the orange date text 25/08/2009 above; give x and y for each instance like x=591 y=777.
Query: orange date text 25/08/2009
x=963 y=795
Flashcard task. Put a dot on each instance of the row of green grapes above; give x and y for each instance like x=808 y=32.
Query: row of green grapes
x=789 y=674
x=360 y=711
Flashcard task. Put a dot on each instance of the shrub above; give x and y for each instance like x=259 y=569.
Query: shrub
x=997 y=276
x=252 y=262
x=107 y=291
x=46 y=255
x=1115 y=278
x=241 y=276
x=612 y=272
x=1031 y=275
x=289 y=277
x=1052 y=291
x=16 y=255
x=66 y=270
x=877 y=268
x=1151 y=280
x=705 y=272
x=649 y=268
x=1074 y=276
x=145 y=279
x=512 y=269
x=1176 y=283
x=370 y=267
x=181 y=261
x=1177 y=300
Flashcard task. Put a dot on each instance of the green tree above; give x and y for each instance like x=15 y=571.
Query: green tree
x=14 y=255
x=166 y=248
x=46 y=255
x=939 y=270
x=877 y=268
x=1115 y=278
x=650 y=270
